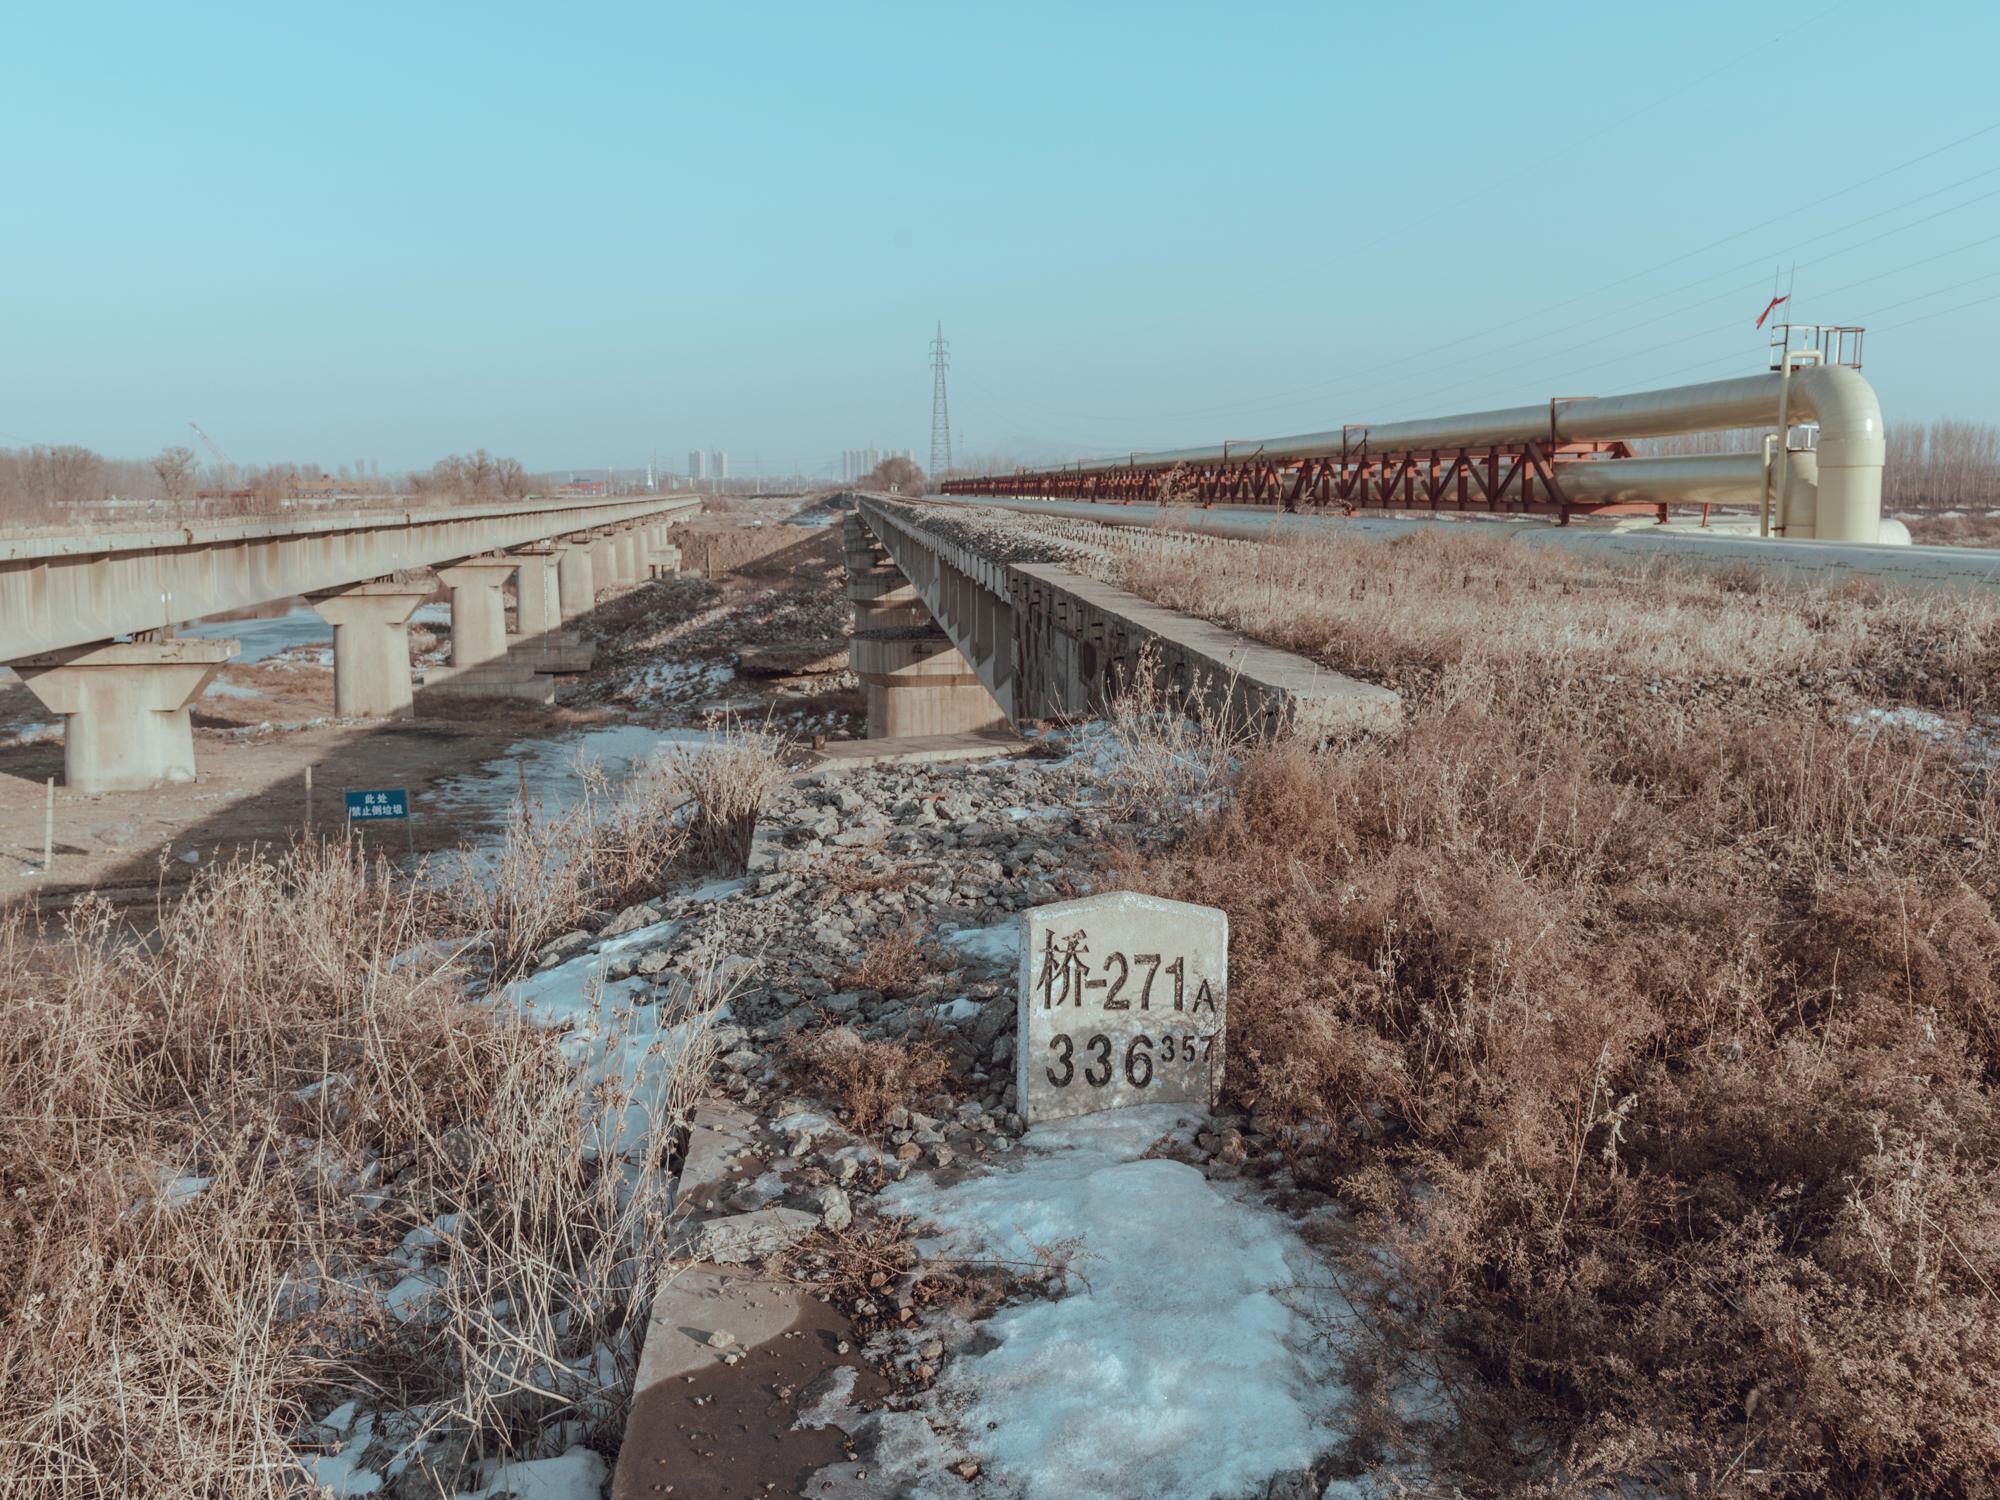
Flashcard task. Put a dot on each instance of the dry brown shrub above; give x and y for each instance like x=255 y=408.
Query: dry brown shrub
x=897 y=963
x=690 y=811
x=1653 y=1035
x=868 y=1078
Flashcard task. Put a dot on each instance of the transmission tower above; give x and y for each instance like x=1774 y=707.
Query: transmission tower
x=940 y=409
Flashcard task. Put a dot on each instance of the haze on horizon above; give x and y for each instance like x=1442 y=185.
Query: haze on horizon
x=579 y=238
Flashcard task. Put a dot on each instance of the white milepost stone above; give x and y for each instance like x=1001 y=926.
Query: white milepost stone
x=1123 y=1001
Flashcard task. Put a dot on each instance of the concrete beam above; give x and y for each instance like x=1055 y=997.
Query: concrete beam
x=1047 y=642
x=371 y=646
x=74 y=586
x=124 y=708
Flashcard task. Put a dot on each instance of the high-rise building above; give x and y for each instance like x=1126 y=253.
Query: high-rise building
x=718 y=464
x=697 y=464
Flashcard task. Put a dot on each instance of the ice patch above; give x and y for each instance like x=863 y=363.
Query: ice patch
x=1182 y=1360
x=223 y=688
x=676 y=682
x=340 y=1474
x=1979 y=744
x=578 y=1475
x=179 y=1190
x=988 y=945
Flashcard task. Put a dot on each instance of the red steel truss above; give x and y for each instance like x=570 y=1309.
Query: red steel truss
x=1518 y=478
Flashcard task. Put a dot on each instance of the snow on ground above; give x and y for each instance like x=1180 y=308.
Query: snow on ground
x=553 y=766
x=996 y=946
x=1979 y=744
x=222 y=687
x=1187 y=1357
x=664 y=683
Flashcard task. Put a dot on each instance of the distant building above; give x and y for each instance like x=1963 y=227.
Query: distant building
x=697 y=465
x=718 y=464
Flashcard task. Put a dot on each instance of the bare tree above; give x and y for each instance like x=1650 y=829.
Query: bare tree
x=76 y=475
x=510 y=478
x=897 y=475
x=175 y=469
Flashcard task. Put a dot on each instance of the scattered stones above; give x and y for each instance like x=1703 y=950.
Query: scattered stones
x=739 y=1239
x=836 y=1211
x=722 y=1338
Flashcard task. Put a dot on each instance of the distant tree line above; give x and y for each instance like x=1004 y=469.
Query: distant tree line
x=1949 y=464
x=62 y=481
x=475 y=477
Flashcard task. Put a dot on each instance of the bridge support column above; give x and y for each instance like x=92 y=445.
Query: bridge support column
x=576 y=579
x=884 y=599
x=630 y=552
x=540 y=641
x=918 y=684
x=604 y=559
x=124 y=709
x=479 y=667
x=371 y=646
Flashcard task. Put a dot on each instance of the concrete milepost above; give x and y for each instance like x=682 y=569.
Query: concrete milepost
x=1124 y=1000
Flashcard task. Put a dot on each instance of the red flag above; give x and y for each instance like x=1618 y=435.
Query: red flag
x=1767 y=311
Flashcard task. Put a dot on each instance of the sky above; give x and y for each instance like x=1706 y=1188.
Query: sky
x=581 y=234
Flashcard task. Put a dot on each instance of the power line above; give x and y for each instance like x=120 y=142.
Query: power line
x=1355 y=379
x=1570 y=147
x=1940 y=313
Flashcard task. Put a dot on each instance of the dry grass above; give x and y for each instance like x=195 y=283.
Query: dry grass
x=868 y=1079
x=219 y=1139
x=692 y=809
x=1453 y=615
x=216 y=1139
x=1646 y=1010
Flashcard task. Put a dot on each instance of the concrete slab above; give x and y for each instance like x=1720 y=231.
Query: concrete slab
x=921 y=749
x=718 y=1151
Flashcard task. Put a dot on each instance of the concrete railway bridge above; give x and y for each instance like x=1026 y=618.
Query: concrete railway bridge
x=87 y=616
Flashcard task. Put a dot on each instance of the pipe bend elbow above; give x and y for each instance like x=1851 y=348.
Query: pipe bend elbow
x=1849 y=416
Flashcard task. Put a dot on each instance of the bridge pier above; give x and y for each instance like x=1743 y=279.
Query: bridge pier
x=604 y=559
x=371 y=646
x=124 y=708
x=916 y=681
x=630 y=550
x=479 y=667
x=540 y=642
x=576 y=578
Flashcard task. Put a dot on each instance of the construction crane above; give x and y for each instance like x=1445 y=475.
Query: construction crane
x=223 y=464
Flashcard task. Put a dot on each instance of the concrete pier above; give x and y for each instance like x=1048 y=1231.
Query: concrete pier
x=576 y=581
x=630 y=551
x=918 y=684
x=371 y=645
x=604 y=559
x=540 y=643
x=479 y=636
x=124 y=708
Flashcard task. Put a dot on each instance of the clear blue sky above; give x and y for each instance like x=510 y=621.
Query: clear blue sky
x=578 y=233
